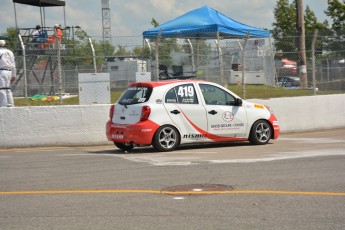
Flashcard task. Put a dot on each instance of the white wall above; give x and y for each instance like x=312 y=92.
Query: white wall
x=53 y=126
x=85 y=125
x=308 y=113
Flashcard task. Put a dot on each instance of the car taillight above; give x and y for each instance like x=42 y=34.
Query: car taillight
x=111 y=111
x=145 y=113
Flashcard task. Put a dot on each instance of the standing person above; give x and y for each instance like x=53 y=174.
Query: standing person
x=7 y=75
x=58 y=32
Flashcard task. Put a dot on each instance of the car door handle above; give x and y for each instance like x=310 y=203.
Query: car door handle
x=175 y=111
x=213 y=112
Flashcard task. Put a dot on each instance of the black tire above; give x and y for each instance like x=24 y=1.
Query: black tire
x=123 y=146
x=260 y=133
x=166 y=138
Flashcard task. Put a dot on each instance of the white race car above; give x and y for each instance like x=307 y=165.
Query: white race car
x=165 y=114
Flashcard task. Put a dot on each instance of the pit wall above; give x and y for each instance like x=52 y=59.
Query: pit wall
x=40 y=126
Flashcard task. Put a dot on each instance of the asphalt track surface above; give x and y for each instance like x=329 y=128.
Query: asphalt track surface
x=295 y=182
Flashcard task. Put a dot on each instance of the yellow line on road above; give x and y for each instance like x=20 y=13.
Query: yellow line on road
x=267 y=192
x=77 y=191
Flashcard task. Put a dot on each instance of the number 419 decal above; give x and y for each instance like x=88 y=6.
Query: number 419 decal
x=186 y=91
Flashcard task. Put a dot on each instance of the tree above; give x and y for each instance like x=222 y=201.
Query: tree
x=122 y=51
x=165 y=47
x=285 y=16
x=201 y=50
x=11 y=38
x=311 y=24
x=143 y=53
x=336 y=10
x=284 y=28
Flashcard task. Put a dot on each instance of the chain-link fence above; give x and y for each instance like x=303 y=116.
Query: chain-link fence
x=126 y=57
x=325 y=61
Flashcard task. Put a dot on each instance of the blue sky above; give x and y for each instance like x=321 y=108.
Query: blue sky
x=134 y=16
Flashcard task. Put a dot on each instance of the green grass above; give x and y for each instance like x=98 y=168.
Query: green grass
x=252 y=91
x=67 y=101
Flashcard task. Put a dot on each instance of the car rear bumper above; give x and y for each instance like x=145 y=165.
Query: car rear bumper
x=140 y=133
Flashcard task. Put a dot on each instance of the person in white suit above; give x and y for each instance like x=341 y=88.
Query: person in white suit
x=7 y=75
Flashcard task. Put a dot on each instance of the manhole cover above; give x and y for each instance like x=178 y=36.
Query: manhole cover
x=197 y=189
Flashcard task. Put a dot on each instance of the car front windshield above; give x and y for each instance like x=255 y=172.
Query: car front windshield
x=135 y=95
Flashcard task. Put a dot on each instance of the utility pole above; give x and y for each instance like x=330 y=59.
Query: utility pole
x=302 y=64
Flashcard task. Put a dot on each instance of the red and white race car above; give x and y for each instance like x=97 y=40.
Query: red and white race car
x=165 y=114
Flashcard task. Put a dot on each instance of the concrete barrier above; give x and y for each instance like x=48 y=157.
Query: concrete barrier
x=308 y=113
x=53 y=126
x=40 y=126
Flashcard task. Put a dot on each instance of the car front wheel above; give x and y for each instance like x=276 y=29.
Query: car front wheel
x=167 y=138
x=260 y=133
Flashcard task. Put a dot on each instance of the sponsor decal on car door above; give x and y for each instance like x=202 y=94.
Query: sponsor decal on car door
x=225 y=119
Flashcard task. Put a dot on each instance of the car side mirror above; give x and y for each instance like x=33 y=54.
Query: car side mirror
x=238 y=102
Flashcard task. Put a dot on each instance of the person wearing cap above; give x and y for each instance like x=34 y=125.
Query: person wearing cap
x=7 y=75
x=58 y=32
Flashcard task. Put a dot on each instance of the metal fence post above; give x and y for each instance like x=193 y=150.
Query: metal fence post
x=24 y=67
x=93 y=55
x=223 y=81
x=192 y=54
x=243 y=66
x=58 y=56
x=156 y=75
x=150 y=49
x=313 y=59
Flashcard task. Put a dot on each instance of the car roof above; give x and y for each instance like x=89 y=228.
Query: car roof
x=153 y=84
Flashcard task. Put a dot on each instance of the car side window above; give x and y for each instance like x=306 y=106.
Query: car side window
x=183 y=94
x=216 y=96
x=170 y=97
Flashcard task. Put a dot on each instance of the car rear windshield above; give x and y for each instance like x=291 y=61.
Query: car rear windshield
x=135 y=95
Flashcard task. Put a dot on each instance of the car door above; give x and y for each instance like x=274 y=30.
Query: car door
x=186 y=111
x=225 y=118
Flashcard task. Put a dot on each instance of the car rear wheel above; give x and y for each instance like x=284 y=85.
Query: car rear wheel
x=124 y=146
x=260 y=133
x=167 y=138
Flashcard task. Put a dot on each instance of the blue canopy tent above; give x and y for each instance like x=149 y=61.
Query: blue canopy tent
x=206 y=23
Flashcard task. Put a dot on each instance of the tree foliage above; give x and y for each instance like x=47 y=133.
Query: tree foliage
x=284 y=28
x=10 y=36
x=201 y=50
x=336 y=11
x=165 y=47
